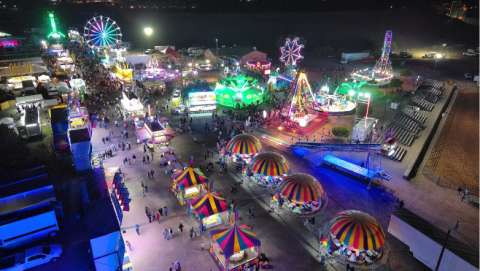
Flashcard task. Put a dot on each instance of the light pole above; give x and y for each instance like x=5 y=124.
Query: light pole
x=148 y=32
x=216 y=46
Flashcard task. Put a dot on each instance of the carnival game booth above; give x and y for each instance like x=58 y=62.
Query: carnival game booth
x=301 y=194
x=154 y=132
x=201 y=98
x=354 y=237
x=243 y=147
x=211 y=209
x=239 y=91
x=189 y=184
x=268 y=168
x=235 y=248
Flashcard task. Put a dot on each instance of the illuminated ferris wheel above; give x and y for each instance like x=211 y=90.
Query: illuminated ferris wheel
x=291 y=52
x=101 y=31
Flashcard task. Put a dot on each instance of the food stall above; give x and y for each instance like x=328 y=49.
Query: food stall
x=355 y=237
x=243 y=147
x=211 y=209
x=189 y=184
x=268 y=168
x=235 y=248
x=203 y=101
x=301 y=194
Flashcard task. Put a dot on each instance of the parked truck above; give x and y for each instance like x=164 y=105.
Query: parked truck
x=28 y=227
x=362 y=131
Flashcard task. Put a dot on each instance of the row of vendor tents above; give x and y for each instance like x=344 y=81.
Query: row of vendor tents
x=352 y=235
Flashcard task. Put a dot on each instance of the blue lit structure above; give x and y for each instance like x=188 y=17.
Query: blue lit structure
x=79 y=135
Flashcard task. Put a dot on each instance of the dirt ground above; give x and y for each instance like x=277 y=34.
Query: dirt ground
x=454 y=159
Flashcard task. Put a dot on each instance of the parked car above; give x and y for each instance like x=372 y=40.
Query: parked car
x=31 y=257
x=404 y=54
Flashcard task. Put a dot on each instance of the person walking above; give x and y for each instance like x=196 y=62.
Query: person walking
x=160 y=210
x=137 y=229
x=165 y=210
x=165 y=234
x=180 y=228
x=129 y=246
x=170 y=233
x=192 y=233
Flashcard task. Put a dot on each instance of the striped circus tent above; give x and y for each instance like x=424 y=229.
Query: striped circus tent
x=357 y=230
x=234 y=239
x=244 y=144
x=190 y=177
x=302 y=188
x=209 y=204
x=269 y=164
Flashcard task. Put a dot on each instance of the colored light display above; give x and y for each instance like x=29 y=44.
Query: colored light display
x=302 y=99
x=381 y=73
x=54 y=33
x=101 y=31
x=291 y=52
x=239 y=91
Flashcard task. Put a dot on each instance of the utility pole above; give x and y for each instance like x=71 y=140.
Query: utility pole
x=445 y=244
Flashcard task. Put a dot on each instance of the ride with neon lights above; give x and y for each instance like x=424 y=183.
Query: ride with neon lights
x=101 y=32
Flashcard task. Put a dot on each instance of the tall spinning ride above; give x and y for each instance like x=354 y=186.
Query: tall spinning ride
x=382 y=72
x=303 y=100
x=102 y=32
x=383 y=67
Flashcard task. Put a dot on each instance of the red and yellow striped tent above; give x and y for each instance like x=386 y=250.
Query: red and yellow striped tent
x=300 y=188
x=269 y=164
x=190 y=176
x=357 y=230
x=244 y=144
x=209 y=204
x=234 y=239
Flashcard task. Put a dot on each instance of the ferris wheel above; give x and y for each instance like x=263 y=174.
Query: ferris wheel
x=101 y=31
x=291 y=52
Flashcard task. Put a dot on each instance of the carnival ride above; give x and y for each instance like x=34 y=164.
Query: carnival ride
x=355 y=237
x=291 y=52
x=334 y=103
x=102 y=32
x=239 y=91
x=303 y=103
x=268 y=168
x=235 y=247
x=301 y=194
x=54 y=33
x=382 y=72
x=154 y=71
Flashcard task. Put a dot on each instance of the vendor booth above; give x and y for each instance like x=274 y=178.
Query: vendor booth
x=268 y=168
x=189 y=184
x=301 y=194
x=354 y=237
x=235 y=248
x=211 y=209
x=243 y=147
